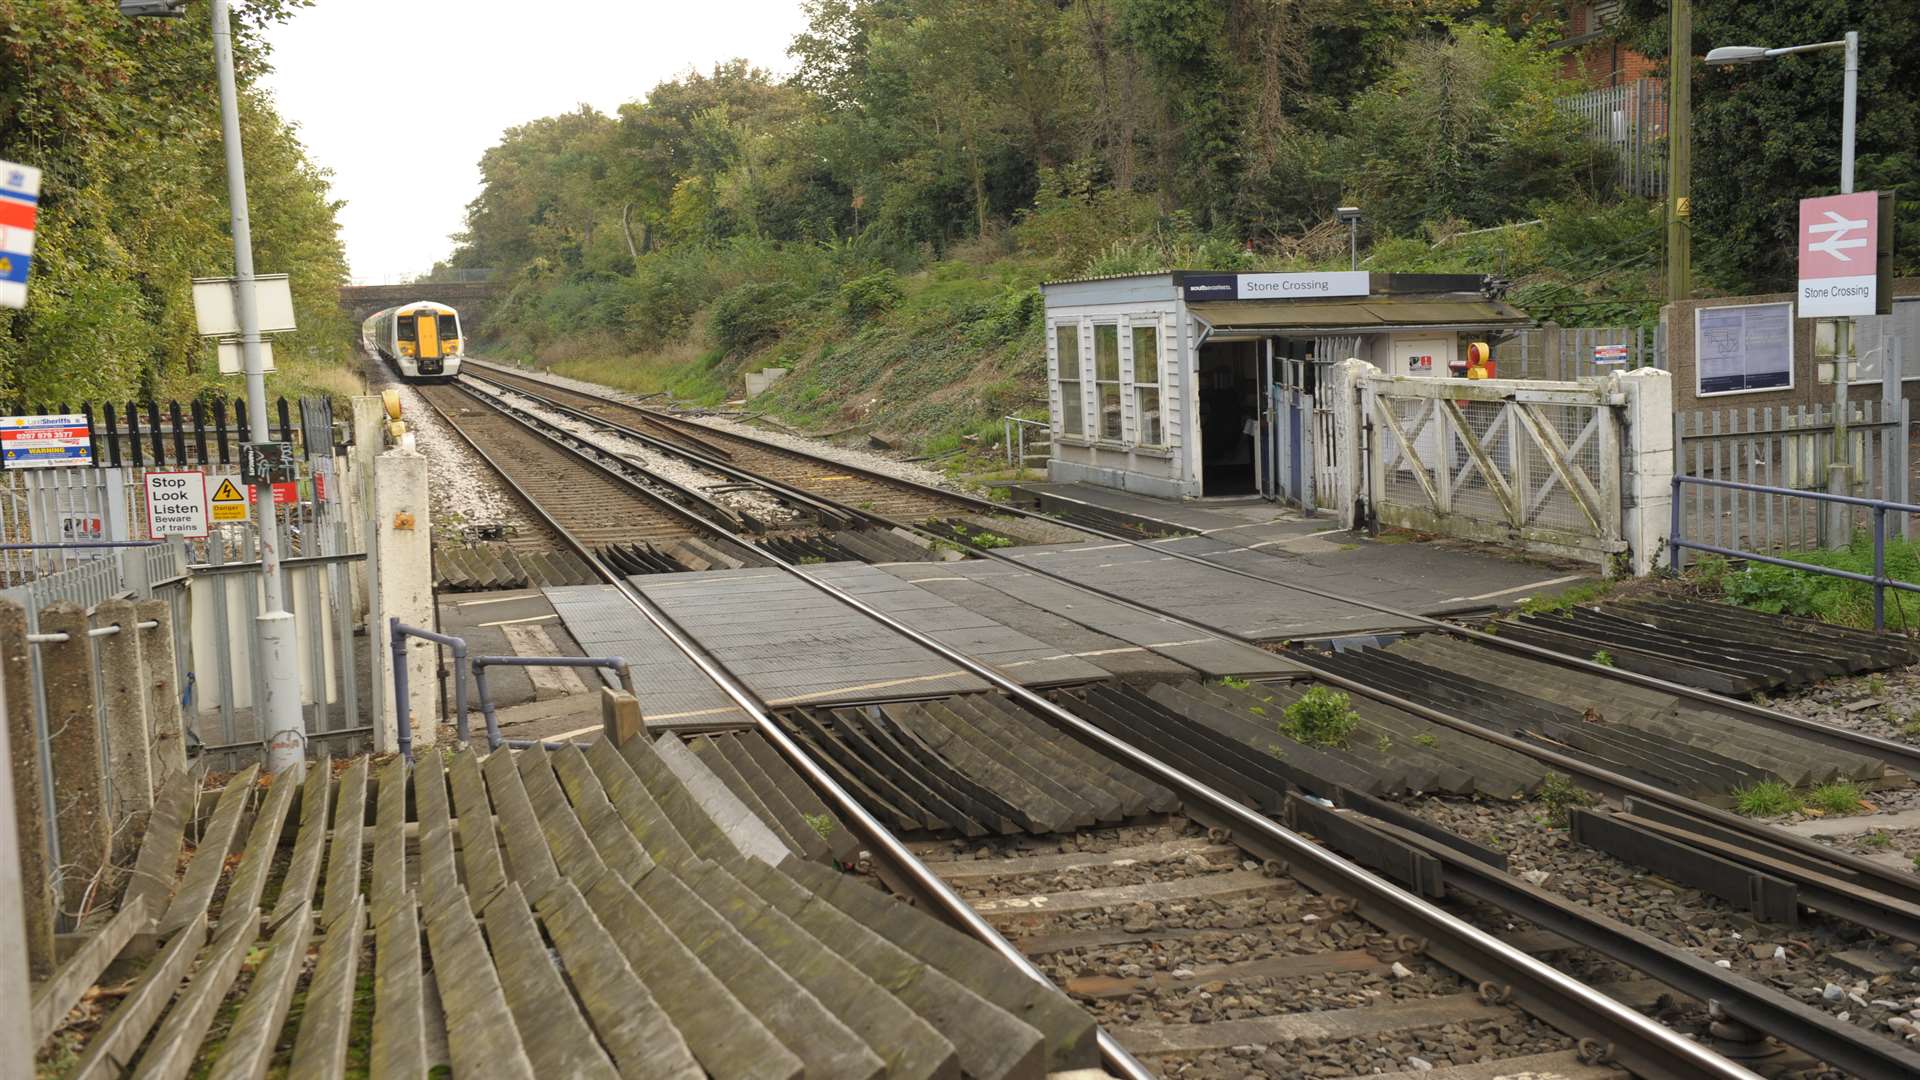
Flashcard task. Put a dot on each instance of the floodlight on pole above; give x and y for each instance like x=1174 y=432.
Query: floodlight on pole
x=1350 y=215
x=277 y=713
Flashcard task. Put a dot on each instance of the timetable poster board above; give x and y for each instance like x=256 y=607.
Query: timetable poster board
x=1743 y=349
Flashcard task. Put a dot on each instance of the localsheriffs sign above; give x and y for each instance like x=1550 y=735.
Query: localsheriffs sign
x=19 y=210
x=41 y=442
x=1198 y=287
x=177 y=503
x=1845 y=252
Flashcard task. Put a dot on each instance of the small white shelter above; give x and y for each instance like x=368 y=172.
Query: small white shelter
x=1165 y=383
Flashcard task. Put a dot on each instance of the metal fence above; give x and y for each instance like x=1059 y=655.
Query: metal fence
x=1784 y=447
x=1570 y=353
x=1632 y=120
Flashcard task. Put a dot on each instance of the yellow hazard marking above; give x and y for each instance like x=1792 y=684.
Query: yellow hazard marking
x=228 y=493
x=229 y=503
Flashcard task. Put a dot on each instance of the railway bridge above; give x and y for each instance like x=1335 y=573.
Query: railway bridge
x=474 y=299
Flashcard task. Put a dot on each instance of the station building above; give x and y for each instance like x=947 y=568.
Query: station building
x=1164 y=384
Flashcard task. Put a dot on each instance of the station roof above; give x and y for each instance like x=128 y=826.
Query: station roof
x=1372 y=313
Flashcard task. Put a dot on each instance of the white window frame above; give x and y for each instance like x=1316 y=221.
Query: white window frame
x=1136 y=420
x=1090 y=363
x=1060 y=384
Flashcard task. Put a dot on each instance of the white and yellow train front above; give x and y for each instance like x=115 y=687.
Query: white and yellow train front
x=421 y=340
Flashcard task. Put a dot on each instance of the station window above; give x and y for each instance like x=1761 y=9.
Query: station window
x=1146 y=386
x=1066 y=338
x=1106 y=377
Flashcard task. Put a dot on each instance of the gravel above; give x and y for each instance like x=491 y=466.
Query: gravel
x=463 y=489
x=1797 y=960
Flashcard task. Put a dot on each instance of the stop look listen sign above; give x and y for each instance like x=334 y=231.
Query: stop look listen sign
x=177 y=503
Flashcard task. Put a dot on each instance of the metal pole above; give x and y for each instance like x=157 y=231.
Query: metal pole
x=1353 y=244
x=1680 y=153
x=1839 y=518
x=16 y=1028
x=277 y=717
x=1879 y=568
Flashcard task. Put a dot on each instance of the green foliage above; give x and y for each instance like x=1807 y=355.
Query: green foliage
x=1603 y=658
x=1837 y=799
x=1768 y=798
x=1567 y=599
x=1425 y=738
x=1560 y=794
x=870 y=296
x=120 y=115
x=1320 y=717
x=821 y=823
x=1782 y=590
x=1878 y=838
x=1877 y=685
x=1911 y=729
x=749 y=315
x=1384 y=743
x=1234 y=682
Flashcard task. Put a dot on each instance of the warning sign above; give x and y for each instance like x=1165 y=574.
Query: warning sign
x=229 y=502
x=177 y=503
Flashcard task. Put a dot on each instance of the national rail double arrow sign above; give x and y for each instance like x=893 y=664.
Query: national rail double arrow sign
x=1841 y=249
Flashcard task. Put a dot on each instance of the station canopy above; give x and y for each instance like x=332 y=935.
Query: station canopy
x=1377 y=313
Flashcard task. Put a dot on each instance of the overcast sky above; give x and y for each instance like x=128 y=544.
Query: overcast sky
x=404 y=136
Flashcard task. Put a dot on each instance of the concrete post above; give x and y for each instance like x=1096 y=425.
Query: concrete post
x=402 y=541
x=129 y=737
x=16 y=989
x=369 y=439
x=29 y=800
x=1344 y=384
x=1647 y=462
x=79 y=786
x=620 y=718
x=169 y=757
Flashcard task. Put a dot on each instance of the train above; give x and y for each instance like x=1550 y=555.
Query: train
x=420 y=340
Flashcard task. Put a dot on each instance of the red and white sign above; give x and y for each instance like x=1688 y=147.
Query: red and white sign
x=177 y=503
x=19 y=214
x=1839 y=255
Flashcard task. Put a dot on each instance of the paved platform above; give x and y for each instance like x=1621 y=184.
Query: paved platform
x=515 y=622
x=673 y=692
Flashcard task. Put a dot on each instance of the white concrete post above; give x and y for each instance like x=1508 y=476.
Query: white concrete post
x=16 y=992
x=1647 y=462
x=1344 y=386
x=402 y=542
x=369 y=439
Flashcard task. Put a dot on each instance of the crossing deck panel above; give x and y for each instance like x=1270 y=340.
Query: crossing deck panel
x=673 y=692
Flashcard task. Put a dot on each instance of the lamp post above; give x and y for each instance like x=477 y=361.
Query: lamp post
x=1839 y=464
x=1350 y=216
x=277 y=715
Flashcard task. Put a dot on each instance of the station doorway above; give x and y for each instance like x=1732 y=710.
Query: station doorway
x=1230 y=416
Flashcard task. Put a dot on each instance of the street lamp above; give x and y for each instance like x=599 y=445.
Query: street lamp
x=1842 y=362
x=277 y=715
x=1350 y=217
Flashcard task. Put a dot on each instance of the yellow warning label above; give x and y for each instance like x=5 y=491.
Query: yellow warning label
x=229 y=502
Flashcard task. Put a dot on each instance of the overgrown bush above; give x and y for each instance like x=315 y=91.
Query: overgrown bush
x=1780 y=590
x=749 y=315
x=1321 y=717
x=870 y=295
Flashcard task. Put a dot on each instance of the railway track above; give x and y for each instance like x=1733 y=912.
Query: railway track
x=1607 y=1031
x=582 y=496
x=848 y=485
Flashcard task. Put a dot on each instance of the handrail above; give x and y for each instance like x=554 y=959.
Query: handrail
x=1878 y=579
x=480 y=664
x=403 y=716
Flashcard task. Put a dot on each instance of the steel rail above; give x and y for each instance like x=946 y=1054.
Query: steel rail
x=1639 y=1042
x=1610 y=781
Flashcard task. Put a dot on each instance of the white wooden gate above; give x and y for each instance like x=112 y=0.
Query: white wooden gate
x=1500 y=460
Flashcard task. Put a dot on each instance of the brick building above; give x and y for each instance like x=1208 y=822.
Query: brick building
x=1595 y=56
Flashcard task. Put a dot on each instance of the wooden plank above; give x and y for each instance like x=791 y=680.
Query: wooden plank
x=320 y=1049
x=176 y=1046
x=349 y=824
x=635 y=805
x=399 y=1011
x=303 y=871
x=248 y=1046
x=481 y=1034
x=53 y=996
x=643 y=1041
x=479 y=839
x=203 y=872
x=439 y=882
x=157 y=866
x=532 y=863
x=610 y=835
x=558 y=1040
x=572 y=849
x=263 y=842
x=390 y=840
x=113 y=1046
x=1204 y=887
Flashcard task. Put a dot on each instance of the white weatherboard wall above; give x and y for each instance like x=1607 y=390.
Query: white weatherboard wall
x=1167 y=470
x=402 y=539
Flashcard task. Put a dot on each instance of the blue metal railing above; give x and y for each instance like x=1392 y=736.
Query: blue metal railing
x=1878 y=579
